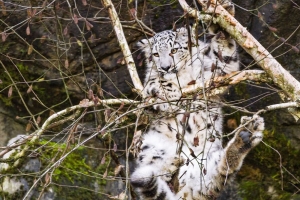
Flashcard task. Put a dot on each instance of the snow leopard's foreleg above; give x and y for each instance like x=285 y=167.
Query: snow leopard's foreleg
x=165 y=92
x=244 y=140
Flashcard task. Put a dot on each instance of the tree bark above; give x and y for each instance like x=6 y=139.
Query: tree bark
x=279 y=75
x=123 y=44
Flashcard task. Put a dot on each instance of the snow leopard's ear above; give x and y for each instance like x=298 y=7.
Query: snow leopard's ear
x=145 y=46
x=182 y=34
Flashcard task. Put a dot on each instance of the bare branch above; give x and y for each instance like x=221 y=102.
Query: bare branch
x=283 y=105
x=279 y=75
x=123 y=44
x=83 y=104
x=230 y=79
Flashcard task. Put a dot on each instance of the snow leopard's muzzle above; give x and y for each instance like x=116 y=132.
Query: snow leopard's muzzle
x=166 y=63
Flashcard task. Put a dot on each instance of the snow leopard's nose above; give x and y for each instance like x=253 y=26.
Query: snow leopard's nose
x=166 y=68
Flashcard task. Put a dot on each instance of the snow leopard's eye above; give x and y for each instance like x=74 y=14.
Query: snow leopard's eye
x=173 y=51
x=156 y=54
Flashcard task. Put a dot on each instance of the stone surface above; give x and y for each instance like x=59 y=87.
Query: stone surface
x=59 y=86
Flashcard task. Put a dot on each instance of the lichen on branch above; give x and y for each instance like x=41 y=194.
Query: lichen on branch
x=219 y=15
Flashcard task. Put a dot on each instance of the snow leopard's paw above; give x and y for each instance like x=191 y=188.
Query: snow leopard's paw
x=165 y=92
x=171 y=166
x=252 y=133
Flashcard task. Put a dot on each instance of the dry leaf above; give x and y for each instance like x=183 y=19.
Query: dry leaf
x=220 y=55
x=107 y=114
x=43 y=38
x=275 y=6
x=260 y=16
x=100 y=91
x=139 y=57
x=4 y=36
x=282 y=39
x=84 y=2
x=28 y=127
x=90 y=94
x=115 y=147
x=88 y=25
x=273 y=29
x=34 y=12
x=92 y=38
x=79 y=42
x=3 y=8
x=99 y=127
x=118 y=169
x=66 y=63
x=66 y=30
x=215 y=117
x=47 y=178
x=196 y=141
x=295 y=49
x=193 y=82
x=213 y=67
x=29 y=89
x=30 y=49
x=44 y=4
x=105 y=174
x=185 y=116
x=121 y=106
x=84 y=103
x=28 y=30
x=187 y=162
x=38 y=119
x=140 y=63
x=10 y=90
x=192 y=153
x=51 y=112
x=232 y=124
x=96 y=100
x=1 y=81
x=29 y=13
x=75 y=18
x=102 y=160
x=212 y=139
x=72 y=137
x=132 y=13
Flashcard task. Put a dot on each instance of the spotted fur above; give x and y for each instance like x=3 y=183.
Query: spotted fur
x=181 y=155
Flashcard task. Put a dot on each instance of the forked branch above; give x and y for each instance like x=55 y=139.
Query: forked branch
x=219 y=15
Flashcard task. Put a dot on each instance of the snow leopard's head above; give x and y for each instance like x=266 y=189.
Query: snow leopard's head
x=168 y=50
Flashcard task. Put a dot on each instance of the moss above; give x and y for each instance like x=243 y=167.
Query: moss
x=7 y=196
x=241 y=90
x=261 y=177
x=104 y=168
x=71 y=168
x=5 y=46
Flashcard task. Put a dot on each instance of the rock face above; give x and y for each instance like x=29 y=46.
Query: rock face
x=9 y=127
x=50 y=63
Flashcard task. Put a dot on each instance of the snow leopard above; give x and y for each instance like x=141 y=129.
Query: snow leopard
x=181 y=153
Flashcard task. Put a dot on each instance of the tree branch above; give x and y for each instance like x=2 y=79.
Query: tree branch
x=229 y=79
x=123 y=44
x=279 y=75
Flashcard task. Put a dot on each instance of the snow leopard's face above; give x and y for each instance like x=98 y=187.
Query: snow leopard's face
x=168 y=50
